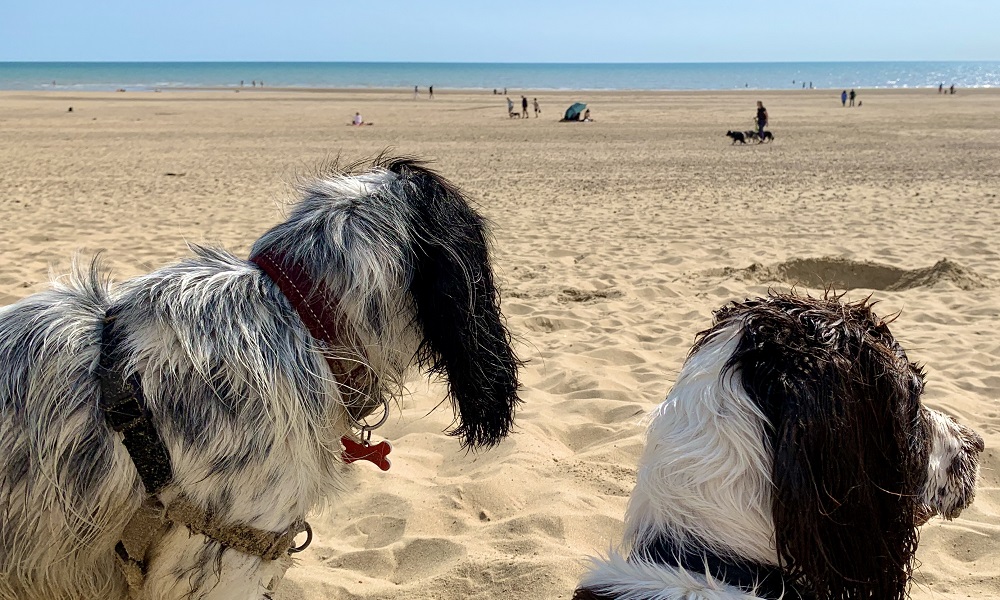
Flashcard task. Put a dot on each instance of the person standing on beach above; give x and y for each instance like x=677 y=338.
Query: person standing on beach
x=510 y=107
x=852 y=96
x=416 y=92
x=538 y=110
x=761 y=121
x=524 y=107
x=430 y=92
x=843 y=98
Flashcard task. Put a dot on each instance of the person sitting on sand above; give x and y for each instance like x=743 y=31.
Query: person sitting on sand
x=359 y=121
x=586 y=116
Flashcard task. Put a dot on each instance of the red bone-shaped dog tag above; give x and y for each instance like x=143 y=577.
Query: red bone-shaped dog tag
x=375 y=453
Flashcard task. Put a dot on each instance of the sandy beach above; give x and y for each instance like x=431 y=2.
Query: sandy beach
x=614 y=241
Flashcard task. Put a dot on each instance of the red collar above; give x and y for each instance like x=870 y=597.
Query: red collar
x=316 y=307
x=318 y=310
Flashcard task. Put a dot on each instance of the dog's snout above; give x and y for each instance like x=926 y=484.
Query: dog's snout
x=953 y=465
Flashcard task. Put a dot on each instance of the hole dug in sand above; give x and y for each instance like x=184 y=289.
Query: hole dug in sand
x=845 y=274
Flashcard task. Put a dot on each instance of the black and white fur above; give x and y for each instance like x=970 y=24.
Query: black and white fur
x=794 y=438
x=238 y=390
x=737 y=136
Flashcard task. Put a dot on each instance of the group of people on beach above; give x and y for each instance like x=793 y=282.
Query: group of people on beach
x=513 y=114
x=844 y=96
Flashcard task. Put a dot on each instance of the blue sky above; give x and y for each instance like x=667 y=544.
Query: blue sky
x=512 y=31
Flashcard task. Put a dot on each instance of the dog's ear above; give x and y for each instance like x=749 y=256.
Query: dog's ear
x=843 y=408
x=458 y=307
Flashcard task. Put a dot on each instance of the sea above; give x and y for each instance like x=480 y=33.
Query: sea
x=150 y=76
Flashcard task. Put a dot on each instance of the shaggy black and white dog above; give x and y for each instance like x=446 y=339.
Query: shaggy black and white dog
x=249 y=373
x=792 y=456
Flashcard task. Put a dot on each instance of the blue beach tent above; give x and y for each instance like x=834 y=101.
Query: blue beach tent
x=573 y=112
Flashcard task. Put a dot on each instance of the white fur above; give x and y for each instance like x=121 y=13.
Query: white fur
x=640 y=580
x=704 y=475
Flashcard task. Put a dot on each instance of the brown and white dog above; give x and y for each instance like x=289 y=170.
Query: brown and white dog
x=791 y=459
x=200 y=409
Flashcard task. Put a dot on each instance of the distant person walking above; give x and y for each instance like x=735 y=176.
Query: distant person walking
x=761 y=121
x=941 y=88
x=538 y=110
x=952 y=89
x=524 y=107
x=416 y=92
x=843 y=98
x=852 y=97
x=430 y=92
x=510 y=108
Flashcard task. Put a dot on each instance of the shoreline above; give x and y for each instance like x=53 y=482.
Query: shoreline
x=467 y=92
x=485 y=77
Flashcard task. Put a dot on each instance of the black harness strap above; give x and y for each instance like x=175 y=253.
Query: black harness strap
x=765 y=581
x=125 y=410
x=124 y=407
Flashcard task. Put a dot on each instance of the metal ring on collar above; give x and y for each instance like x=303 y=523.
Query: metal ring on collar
x=309 y=538
x=366 y=428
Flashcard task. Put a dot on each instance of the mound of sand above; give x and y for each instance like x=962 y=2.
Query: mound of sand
x=845 y=274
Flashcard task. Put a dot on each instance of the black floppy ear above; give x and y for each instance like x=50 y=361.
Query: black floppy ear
x=844 y=477
x=458 y=307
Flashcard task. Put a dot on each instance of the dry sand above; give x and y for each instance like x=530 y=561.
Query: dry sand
x=614 y=241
